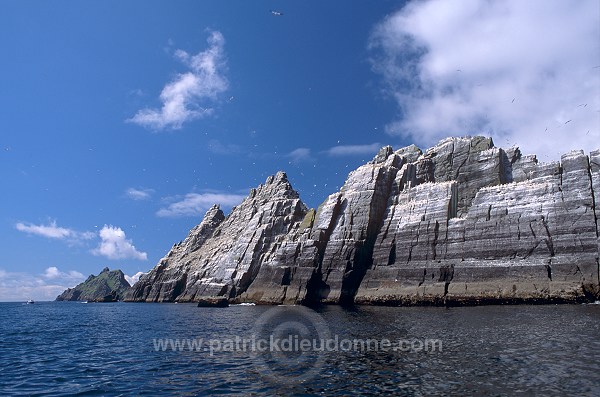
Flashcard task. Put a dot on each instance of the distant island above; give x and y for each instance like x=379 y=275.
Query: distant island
x=463 y=222
x=108 y=286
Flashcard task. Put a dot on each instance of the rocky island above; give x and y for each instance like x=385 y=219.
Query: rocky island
x=108 y=286
x=463 y=222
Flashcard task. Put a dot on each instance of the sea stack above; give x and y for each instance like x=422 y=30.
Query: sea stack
x=463 y=222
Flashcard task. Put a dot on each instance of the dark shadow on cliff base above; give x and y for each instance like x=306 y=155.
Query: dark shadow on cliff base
x=316 y=290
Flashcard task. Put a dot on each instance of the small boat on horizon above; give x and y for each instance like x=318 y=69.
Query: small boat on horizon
x=30 y=302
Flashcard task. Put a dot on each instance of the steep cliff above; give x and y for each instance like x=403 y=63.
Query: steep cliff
x=108 y=286
x=462 y=222
x=528 y=232
x=222 y=256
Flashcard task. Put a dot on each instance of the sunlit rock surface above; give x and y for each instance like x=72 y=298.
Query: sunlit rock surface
x=222 y=256
x=463 y=222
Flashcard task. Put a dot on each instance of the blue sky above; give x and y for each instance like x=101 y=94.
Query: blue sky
x=122 y=122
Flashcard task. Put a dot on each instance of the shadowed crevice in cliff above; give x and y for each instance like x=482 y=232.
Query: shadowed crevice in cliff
x=317 y=289
x=392 y=256
x=363 y=257
x=548 y=240
x=178 y=288
x=446 y=276
x=594 y=175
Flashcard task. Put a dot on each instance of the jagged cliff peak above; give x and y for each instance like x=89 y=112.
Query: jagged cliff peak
x=200 y=233
x=276 y=187
x=411 y=153
x=383 y=154
x=221 y=257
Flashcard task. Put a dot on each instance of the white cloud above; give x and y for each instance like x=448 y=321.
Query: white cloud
x=114 y=245
x=353 y=150
x=18 y=286
x=191 y=94
x=53 y=273
x=299 y=155
x=139 y=194
x=49 y=231
x=53 y=231
x=134 y=279
x=195 y=204
x=516 y=70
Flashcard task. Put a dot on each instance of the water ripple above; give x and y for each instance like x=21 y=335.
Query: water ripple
x=62 y=348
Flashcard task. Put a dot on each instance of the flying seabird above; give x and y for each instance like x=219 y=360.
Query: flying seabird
x=276 y=13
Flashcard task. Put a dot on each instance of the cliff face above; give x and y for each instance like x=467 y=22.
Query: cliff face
x=222 y=256
x=503 y=228
x=108 y=286
x=463 y=222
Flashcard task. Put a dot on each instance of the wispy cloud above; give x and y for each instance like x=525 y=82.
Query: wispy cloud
x=18 y=286
x=521 y=71
x=115 y=245
x=299 y=155
x=134 y=279
x=53 y=231
x=192 y=94
x=215 y=146
x=354 y=150
x=139 y=194
x=49 y=231
x=195 y=204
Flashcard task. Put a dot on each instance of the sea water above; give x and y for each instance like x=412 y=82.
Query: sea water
x=66 y=348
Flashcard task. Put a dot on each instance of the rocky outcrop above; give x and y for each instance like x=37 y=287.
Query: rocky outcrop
x=463 y=222
x=326 y=257
x=532 y=239
x=222 y=256
x=213 y=301
x=108 y=286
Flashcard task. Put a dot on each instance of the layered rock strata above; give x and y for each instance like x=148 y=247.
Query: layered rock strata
x=222 y=256
x=462 y=222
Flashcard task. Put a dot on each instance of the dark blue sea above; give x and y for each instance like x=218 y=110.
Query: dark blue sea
x=112 y=349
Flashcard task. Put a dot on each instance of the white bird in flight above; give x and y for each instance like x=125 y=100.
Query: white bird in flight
x=276 y=13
